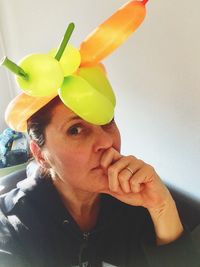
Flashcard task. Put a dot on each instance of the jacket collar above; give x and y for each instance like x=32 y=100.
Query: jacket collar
x=41 y=193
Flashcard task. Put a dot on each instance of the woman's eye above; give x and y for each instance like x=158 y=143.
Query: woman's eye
x=74 y=130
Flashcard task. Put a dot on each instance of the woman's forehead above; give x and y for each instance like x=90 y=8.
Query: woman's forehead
x=61 y=114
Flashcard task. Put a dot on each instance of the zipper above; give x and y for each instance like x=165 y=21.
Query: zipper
x=86 y=236
x=82 y=248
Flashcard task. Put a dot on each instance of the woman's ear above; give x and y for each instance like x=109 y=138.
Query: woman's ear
x=38 y=153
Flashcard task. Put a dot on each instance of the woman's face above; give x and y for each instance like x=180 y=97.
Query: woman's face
x=74 y=147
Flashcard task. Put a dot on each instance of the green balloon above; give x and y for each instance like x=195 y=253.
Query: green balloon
x=87 y=102
x=97 y=78
x=70 y=59
x=45 y=75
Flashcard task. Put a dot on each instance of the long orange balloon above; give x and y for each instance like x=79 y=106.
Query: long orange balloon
x=112 y=33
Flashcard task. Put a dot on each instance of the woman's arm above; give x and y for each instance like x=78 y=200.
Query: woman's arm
x=136 y=183
x=167 y=224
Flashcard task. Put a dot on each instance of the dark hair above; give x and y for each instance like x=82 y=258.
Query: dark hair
x=37 y=123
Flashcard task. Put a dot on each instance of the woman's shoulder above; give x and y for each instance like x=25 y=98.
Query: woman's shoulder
x=18 y=195
x=19 y=217
x=18 y=210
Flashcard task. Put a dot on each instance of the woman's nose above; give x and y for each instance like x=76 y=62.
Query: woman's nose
x=103 y=139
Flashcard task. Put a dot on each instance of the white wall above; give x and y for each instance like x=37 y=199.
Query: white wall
x=155 y=74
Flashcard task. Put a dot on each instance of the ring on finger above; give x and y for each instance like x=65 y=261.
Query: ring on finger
x=130 y=170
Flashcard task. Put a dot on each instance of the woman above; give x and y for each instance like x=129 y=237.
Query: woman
x=89 y=205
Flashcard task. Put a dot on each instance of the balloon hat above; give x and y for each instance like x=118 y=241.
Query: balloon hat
x=77 y=76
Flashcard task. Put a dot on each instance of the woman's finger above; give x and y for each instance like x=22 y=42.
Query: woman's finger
x=109 y=156
x=121 y=171
x=114 y=171
x=123 y=178
x=141 y=177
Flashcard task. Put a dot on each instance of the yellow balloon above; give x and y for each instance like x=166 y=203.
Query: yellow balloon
x=97 y=78
x=87 y=102
x=70 y=60
x=45 y=75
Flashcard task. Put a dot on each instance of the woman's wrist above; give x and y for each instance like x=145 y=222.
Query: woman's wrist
x=167 y=223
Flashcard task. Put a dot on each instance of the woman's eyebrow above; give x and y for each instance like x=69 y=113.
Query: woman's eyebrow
x=70 y=119
x=74 y=117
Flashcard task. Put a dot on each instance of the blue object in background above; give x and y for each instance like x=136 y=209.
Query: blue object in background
x=10 y=152
x=6 y=139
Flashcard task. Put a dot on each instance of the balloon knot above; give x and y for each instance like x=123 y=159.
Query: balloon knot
x=144 y=2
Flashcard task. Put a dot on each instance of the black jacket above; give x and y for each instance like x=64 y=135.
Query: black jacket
x=37 y=231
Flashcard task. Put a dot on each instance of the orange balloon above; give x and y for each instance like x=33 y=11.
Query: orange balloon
x=112 y=33
x=21 y=108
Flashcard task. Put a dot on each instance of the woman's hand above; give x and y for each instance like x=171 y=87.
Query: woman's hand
x=133 y=181
x=136 y=183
